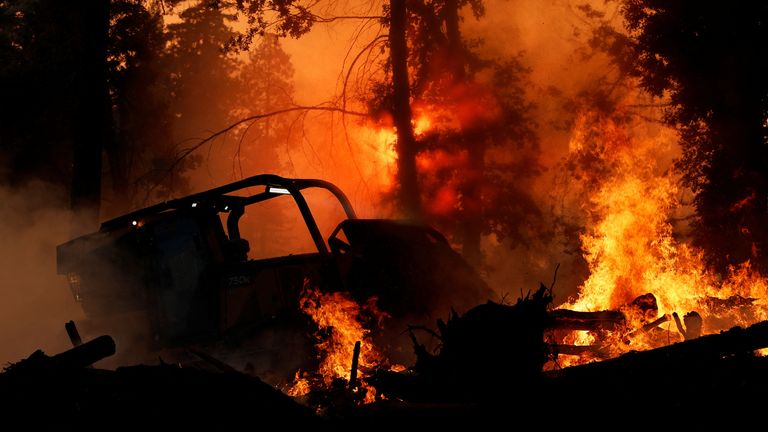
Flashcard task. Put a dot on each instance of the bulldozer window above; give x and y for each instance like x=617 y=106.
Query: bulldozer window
x=326 y=209
x=274 y=228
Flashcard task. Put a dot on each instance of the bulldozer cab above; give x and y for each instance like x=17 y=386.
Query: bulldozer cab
x=207 y=263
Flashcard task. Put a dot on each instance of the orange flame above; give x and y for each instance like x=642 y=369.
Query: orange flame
x=631 y=249
x=338 y=316
x=300 y=386
x=378 y=157
x=422 y=124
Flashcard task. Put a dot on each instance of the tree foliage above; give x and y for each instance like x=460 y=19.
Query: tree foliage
x=266 y=83
x=36 y=72
x=708 y=58
x=479 y=151
x=168 y=85
x=477 y=109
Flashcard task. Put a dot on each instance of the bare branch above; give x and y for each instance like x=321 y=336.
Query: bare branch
x=216 y=134
x=304 y=109
x=320 y=19
x=365 y=49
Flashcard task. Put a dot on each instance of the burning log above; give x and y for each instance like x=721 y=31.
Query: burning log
x=709 y=348
x=655 y=323
x=642 y=309
x=625 y=326
x=576 y=320
x=577 y=350
x=616 y=331
x=699 y=371
x=630 y=337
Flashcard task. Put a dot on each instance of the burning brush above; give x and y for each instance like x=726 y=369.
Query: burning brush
x=346 y=352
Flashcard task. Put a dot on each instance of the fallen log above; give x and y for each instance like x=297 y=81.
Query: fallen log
x=85 y=354
x=577 y=350
x=710 y=376
x=655 y=323
x=710 y=348
x=79 y=357
x=565 y=319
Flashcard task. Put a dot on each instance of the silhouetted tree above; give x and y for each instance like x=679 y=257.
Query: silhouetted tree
x=265 y=81
x=56 y=100
x=141 y=93
x=480 y=106
x=709 y=59
x=203 y=72
x=480 y=150
x=81 y=80
x=36 y=112
x=292 y=18
x=400 y=110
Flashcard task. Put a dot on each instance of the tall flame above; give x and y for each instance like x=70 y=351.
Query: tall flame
x=338 y=318
x=631 y=249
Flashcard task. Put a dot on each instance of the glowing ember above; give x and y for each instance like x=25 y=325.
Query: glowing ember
x=300 y=386
x=338 y=318
x=631 y=250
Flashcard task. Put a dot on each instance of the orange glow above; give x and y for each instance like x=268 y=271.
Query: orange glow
x=378 y=159
x=441 y=196
x=397 y=368
x=444 y=202
x=741 y=203
x=631 y=250
x=422 y=125
x=338 y=317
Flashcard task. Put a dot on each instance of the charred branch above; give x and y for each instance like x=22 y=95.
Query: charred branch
x=353 y=371
x=487 y=349
x=74 y=335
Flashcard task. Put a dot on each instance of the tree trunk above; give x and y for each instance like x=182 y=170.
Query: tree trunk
x=92 y=119
x=471 y=216
x=408 y=191
x=456 y=51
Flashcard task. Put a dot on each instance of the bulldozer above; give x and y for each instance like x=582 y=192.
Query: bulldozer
x=185 y=271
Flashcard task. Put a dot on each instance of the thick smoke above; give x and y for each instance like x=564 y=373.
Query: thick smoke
x=35 y=301
x=553 y=38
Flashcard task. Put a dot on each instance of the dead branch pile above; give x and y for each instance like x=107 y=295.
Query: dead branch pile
x=489 y=350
